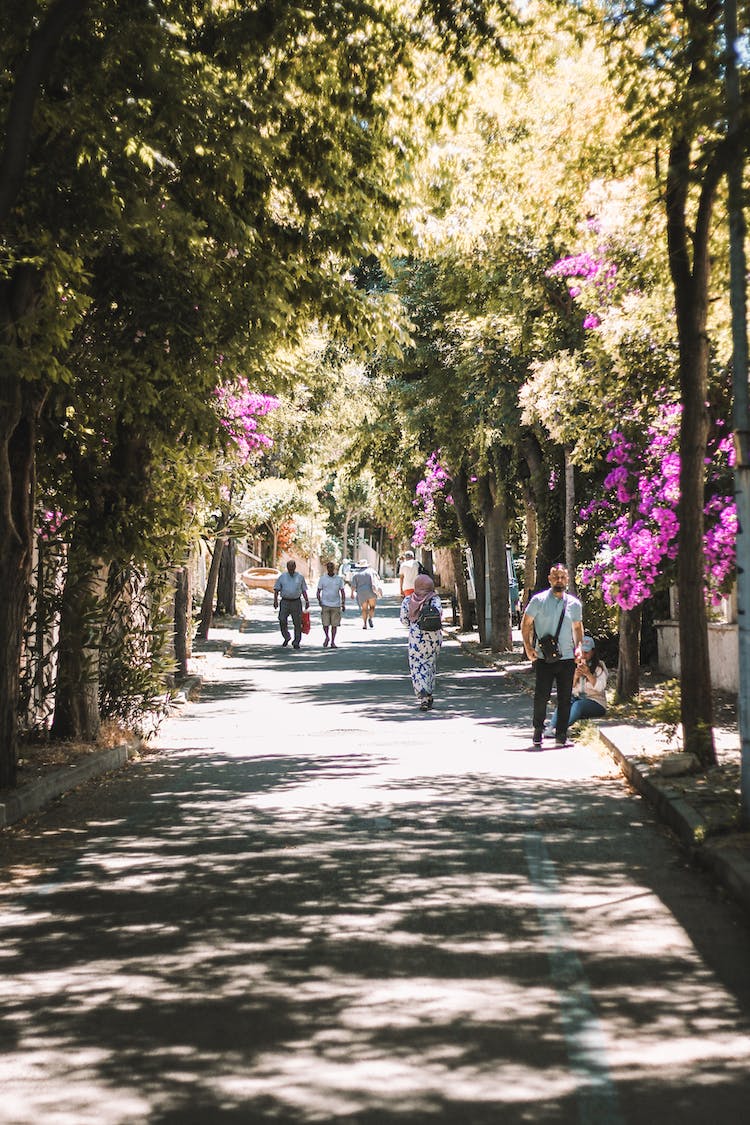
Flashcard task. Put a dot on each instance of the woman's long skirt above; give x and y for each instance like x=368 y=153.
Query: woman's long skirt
x=424 y=648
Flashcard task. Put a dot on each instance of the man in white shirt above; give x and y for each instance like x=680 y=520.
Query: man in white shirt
x=292 y=588
x=331 y=595
x=407 y=573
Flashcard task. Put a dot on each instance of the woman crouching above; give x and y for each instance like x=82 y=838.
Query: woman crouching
x=421 y=612
x=589 y=700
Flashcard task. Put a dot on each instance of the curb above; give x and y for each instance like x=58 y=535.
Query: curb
x=725 y=857
x=34 y=796
x=730 y=865
x=681 y=817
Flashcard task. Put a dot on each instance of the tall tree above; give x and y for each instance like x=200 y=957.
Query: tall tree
x=669 y=61
x=267 y=141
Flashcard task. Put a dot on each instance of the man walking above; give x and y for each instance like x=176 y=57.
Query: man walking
x=331 y=595
x=407 y=573
x=552 y=632
x=292 y=588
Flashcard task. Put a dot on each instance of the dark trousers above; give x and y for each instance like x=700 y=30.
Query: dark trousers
x=558 y=673
x=291 y=607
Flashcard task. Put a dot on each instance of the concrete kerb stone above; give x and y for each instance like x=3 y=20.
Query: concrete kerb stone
x=727 y=857
x=684 y=821
x=728 y=861
x=34 y=796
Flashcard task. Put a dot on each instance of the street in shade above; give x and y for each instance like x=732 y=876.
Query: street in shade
x=315 y=903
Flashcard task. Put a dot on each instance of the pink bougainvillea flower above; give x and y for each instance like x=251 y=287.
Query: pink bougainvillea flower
x=644 y=536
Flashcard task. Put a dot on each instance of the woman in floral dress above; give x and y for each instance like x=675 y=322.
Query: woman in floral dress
x=424 y=645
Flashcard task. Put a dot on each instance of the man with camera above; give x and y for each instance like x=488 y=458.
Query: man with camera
x=552 y=632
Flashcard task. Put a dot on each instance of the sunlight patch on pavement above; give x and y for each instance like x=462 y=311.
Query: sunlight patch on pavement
x=588 y=1042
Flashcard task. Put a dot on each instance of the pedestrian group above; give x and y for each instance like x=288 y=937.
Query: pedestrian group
x=563 y=657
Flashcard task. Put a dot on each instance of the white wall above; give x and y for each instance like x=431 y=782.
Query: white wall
x=365 y=551
x=723 y=653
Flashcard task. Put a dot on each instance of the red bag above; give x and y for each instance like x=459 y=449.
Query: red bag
x=305 y=620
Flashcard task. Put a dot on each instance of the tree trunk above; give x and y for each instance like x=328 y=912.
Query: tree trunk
x=690 y=282
x=462 y=590
x=495 y=530
x=36 y=655
x=550 y=532
x=226 y=592
x=345 y=538
x=81 y=622
x=32 y=72
x=182 y=600
x=473 y=533
x=20 y=400
x=570 y=520
x=39 y=653
x=628 y=662
x=14 y=577
x=741 y=411
x=695 y=669
x=20 y=404
x=530 y=560
x=209 y=596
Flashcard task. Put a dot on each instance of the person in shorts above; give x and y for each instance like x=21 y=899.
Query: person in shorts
x=366 y=589
x=407 y=573
x=331 y=595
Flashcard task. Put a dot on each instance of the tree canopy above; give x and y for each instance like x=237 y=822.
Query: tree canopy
x=446 y=236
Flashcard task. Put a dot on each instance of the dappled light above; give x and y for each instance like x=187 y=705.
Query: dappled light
x=436 y=291
x=342 y=910
x=372 y=959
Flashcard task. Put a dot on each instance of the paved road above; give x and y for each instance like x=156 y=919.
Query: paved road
x=316 y=904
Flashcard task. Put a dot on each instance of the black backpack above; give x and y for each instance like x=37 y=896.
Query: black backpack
x=430 y=617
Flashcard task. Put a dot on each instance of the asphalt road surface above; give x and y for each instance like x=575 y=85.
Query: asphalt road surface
x=317 y=904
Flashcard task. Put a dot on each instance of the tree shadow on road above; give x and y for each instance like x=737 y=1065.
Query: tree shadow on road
x=379 y=686
x=275 y=939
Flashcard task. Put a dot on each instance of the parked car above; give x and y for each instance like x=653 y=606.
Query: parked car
x=260 y=577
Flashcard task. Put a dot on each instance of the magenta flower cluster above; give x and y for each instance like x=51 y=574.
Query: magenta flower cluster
x=51 y=523
x=642 y=538
x=586 y=271
x=240 y=408
x=435 y=480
